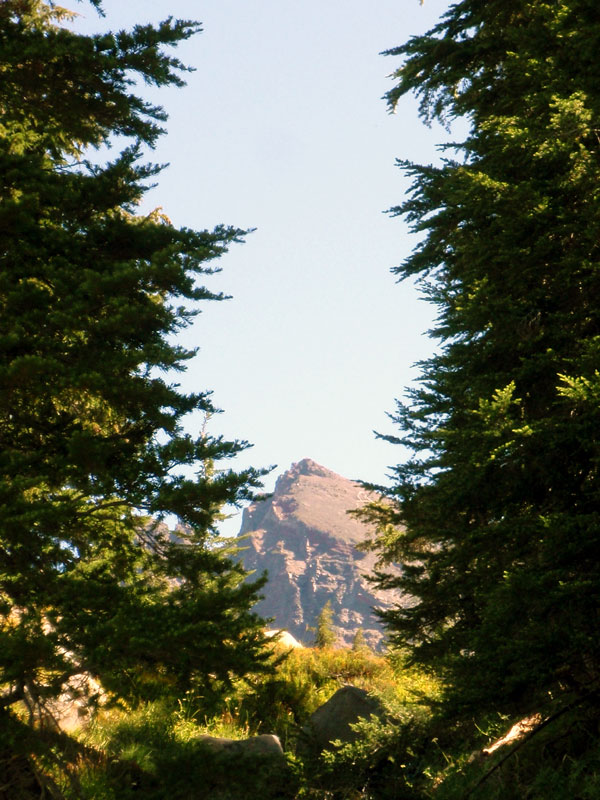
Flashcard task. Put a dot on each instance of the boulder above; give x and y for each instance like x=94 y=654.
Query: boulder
x=238 y=769
x=266 y=744
x=333 y=719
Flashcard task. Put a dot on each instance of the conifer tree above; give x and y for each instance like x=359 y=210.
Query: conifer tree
x=92 y=441
x=359 y=643
x=496 y=517
x=325 y=634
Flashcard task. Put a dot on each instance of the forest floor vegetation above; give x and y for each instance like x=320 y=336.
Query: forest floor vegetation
x=158 y=750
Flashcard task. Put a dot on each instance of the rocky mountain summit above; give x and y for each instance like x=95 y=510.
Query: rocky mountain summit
x=303 y=536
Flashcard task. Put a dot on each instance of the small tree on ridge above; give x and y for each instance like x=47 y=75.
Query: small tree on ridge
x=325 y=635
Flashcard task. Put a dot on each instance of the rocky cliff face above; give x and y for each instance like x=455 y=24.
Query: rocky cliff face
x=303 y=536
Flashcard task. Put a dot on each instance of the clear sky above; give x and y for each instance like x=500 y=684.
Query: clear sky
x=282 y=128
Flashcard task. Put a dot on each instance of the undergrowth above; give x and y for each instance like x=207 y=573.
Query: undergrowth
x=156 y=751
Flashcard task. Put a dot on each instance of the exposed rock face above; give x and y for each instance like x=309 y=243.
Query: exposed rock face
x=303 y=536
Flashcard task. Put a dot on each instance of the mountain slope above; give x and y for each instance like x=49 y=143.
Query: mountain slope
x=303 y=536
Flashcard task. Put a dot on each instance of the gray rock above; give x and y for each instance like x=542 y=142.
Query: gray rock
x=267 y=744
x=333 y=719
x=239 y=769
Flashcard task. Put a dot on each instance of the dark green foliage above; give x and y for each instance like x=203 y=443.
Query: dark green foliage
x=20 y=752
x=92 y=444
x=500 y=500
x=559 y=759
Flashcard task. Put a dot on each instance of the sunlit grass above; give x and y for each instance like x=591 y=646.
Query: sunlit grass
x=143 y=750
x=155 y=750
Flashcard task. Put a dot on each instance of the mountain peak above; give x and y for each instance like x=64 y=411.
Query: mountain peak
x=306 y=540
x=310 y=496
x=309 y=467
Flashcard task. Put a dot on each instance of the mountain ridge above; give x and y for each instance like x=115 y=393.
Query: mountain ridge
x=304 y=537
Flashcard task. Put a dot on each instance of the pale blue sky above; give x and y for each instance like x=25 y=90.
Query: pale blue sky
x=282 y=128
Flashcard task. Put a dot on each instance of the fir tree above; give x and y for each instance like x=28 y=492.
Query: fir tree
x=325 y=635
x=91 y=425
x=359 y=643
x=500 y=501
